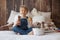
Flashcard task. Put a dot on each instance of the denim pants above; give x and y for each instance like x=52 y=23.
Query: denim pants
x=21 y=31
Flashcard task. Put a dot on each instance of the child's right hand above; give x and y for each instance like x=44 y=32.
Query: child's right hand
x=18 y=21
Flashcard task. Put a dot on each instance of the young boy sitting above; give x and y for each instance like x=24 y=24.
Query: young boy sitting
x=21 y=22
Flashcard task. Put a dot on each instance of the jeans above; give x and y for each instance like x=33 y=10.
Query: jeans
x=21 y=31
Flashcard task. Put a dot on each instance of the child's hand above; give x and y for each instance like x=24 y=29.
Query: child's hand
x=18 y=21
x=30 y=21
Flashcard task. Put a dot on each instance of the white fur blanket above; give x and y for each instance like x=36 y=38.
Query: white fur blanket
x=10 y=35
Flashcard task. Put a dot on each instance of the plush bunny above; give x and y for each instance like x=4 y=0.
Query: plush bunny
x=37 y=18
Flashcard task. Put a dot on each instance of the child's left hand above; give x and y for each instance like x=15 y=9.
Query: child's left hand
x=30 y=21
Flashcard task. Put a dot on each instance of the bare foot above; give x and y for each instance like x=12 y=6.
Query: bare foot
x=31 y=33
x=17 y=33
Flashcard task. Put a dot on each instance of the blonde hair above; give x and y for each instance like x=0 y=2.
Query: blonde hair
x=23 y=6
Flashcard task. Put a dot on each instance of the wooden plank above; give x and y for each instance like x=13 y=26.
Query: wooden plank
x=3 y=12
x=56 y=12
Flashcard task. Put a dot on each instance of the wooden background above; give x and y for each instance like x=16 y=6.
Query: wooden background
x=56 y=12
x=42 y=5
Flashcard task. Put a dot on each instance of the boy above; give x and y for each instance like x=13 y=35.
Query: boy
x=21 y=22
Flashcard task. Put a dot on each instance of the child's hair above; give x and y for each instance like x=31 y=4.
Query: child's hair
x=23 y=6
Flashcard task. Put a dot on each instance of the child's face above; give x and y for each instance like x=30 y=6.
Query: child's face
x=23 y=11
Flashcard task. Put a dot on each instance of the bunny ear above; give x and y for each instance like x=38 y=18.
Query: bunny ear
x=18 y=16
x=34 y=11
